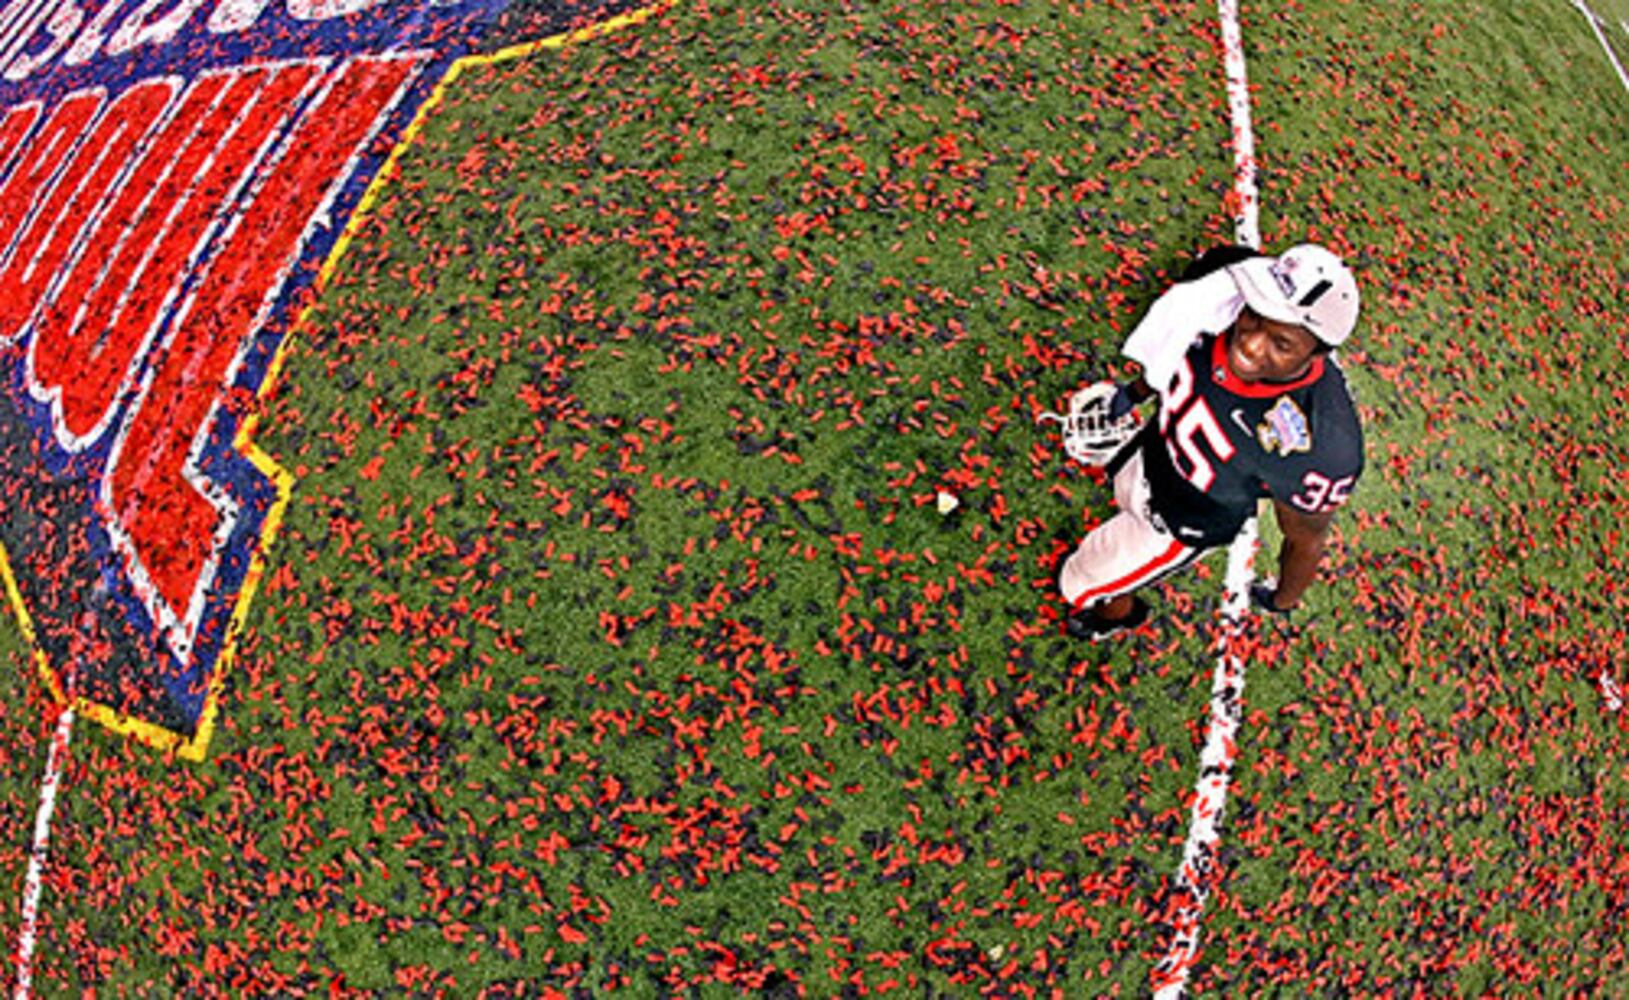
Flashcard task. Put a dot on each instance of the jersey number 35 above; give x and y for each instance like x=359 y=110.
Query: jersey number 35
x=1196 y=421
x=1322 y=494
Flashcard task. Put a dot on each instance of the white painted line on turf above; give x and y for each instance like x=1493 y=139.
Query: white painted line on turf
x=36 y=856
x=1194 y=877
x=1199 y=862
x=1247 y=229
x=1600 y=36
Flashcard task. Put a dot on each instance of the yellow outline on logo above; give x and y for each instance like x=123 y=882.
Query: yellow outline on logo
x=194 y=749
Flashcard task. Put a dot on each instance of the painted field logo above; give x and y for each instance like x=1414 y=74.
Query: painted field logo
x=173 y=173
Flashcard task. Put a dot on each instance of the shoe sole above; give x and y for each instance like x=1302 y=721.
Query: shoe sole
x=1137 y=619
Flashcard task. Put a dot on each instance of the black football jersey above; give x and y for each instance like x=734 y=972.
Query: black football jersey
x=1219 y=444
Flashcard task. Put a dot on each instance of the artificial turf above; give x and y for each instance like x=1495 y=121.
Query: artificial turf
x=614 y=639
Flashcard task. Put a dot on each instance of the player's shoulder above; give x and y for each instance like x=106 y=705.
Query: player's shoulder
x=1336 y=424
x=1333 y=391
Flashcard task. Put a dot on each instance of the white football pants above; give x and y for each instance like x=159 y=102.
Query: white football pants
x=1127 y=552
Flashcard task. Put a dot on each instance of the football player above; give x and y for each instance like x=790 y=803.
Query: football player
x=1251 y=405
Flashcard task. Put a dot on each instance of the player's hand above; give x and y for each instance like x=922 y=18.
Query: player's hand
x=1264 y=595
x=1121 y=403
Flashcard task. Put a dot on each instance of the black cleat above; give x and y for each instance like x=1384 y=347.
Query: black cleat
x=1088 y=625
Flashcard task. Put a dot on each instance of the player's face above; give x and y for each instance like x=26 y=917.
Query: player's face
x=1266 y=350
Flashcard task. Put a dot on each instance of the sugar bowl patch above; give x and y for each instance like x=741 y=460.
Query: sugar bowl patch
x=1285 y=429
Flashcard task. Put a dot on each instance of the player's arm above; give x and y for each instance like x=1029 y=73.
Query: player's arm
x=1305 y=536
x=1127 y=395
x=1138 y=389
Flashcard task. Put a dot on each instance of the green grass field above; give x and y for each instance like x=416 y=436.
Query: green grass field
x=613 y=641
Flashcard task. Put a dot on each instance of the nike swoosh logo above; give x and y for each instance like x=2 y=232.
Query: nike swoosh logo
x=1238 y=418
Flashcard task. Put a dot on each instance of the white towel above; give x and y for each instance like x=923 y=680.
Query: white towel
x=1176 y=319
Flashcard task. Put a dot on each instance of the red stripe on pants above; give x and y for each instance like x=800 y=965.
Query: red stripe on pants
x=1136 y=578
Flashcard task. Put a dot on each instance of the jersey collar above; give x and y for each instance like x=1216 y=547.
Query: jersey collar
x=1224 y=377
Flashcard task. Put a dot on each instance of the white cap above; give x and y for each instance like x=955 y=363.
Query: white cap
x=1305 y=285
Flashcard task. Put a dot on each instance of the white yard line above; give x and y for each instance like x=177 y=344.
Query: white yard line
x=37 y=854
x=1194 y=878
x=1600 y=36
x=1247 y=224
